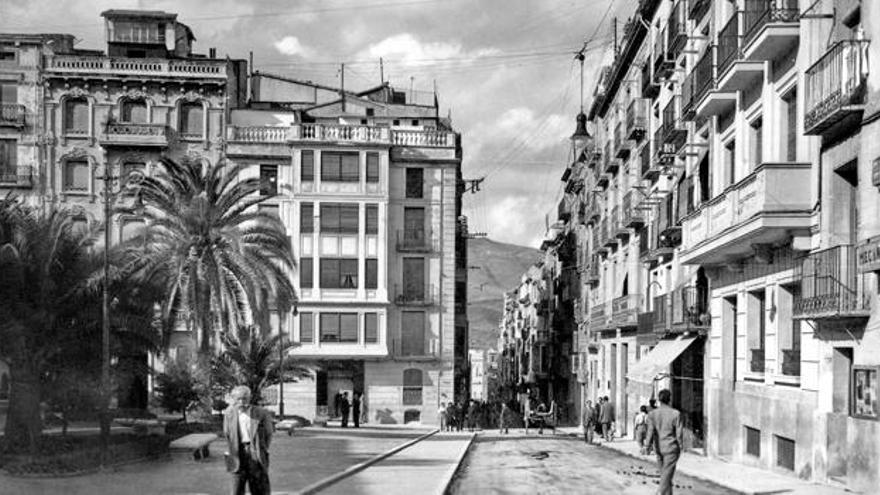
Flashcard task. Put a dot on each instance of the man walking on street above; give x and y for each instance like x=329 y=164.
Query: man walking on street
x=344 y=408
x=665 y=435
x=587 y=420
x=248 y=431
x=356 y=409
x=606 y=417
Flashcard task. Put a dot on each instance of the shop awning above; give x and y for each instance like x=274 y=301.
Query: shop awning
x=658 y=360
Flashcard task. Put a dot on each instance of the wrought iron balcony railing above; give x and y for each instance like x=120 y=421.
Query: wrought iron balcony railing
x=759 y=13
x=413 y=295
x=415 y=240
x=636 y=119
x=831 y=285
x=625 y=309
x=835 y=85
x=729 y=46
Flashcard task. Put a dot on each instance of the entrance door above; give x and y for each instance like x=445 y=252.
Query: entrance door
x=340 y=384
x=841 y=363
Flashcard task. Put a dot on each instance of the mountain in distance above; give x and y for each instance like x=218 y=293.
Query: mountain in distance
x=500 y=269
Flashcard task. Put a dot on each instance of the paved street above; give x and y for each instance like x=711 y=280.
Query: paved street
x=298 y=461
x=556 y=464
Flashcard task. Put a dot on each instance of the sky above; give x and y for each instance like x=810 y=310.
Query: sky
x=504 y=70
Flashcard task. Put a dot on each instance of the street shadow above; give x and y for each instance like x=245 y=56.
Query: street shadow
x=385 y=418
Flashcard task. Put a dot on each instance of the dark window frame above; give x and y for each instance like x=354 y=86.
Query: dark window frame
x=338 y=273
x=415 y=183
x=333 y=332
x=307 y=166
x=306 y=272
x=307 y=218
x=337 y=218
x=309 y=336
x=337 y=166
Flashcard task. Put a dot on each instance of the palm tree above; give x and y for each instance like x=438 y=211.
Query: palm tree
x=218 y=258
x=251 y=358
x=50 y=316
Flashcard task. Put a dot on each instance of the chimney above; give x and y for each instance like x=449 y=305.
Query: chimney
x=212 y=52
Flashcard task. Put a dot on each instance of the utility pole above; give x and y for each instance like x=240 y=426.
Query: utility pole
x=381 y=71
x=105 y=322
x=342 y=85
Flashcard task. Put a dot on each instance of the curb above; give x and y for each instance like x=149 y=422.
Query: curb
x=336 y=478
x=445 y=487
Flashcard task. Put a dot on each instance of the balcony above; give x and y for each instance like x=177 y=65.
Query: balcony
x=633 y=217
x=750 y=212
x=672 y=134
x=592 y=271
x=690 y=309
x=698 y=8
x=333 y=133
x=650 y=87
x=608 y=238
x=771 y=28
x=594 y=210
x=11 y=114
x=625 y=310
x=21 y=176
x=647 y=167
x=598 y=240
x=621 y=143
x=416 y=296
x=709 y=101
x=664 y=63
x=143 y=67
x=835 y=92
x=563 y=210
x=126 y=134
x=637 y=119
x=258 y=134
x=415 y=241
x=831 y=286
x=734 y=72
x=599 y=317
x=611 y=164
x=676 y=30
x=403 y=349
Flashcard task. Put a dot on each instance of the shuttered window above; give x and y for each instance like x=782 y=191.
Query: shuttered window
x=306 y=328
x=339 y=273
x=371 y=328
x=371 y=278
x=339 y=167
x=339 y=327
x=307 y=218
x=372 y=167
x=372 y=219
x=306 y=273
x=307 y=166
x=339 y=218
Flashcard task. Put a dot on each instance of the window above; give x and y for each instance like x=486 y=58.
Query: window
x=339 y=327
x=339 y=167
x=415 y=122
x=730 y=161
x=7 y=55
x=307 y=167
x=339 y=218
x=756 y=330
x=412 y=387
x=192 y=119
x=370 y=112
x=372 y=167
x=756 y=140
x=789 y=103
x=76 y=176
x=753 y=441
x=372 y=221
x=414 y=182
x=306 y=272
x=339 y=273
x=268 y=180
x=785 y=452
x=412 y=333
x=8 y=92
x=371 y=328
x=865 y=392
x=306 y=328
x=138 y=32
x=134 y=111
x=789 y=331
x=395 y=122
x=76 y=116
x=8 y=156
x=371 y=278
x=306 y=218
x=413 y=279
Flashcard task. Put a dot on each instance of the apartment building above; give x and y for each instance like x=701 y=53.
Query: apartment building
x=369 y=187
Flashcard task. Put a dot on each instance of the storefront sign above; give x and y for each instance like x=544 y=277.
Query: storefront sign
x=868 y=254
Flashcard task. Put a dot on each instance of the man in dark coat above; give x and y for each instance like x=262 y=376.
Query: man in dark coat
x=248 y=432
x=356 y=409
x=344 y=408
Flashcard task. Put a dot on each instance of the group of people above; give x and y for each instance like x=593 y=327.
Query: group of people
x=657 y=429
x=598 y=419
x=472 y=415
x=342 y=407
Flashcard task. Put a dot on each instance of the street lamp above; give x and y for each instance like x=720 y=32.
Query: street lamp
x=109 y=196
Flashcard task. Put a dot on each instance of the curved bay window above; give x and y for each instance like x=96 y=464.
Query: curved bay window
x=192 y=120
x=134 y=112
x=412 y=387
x=76 y=116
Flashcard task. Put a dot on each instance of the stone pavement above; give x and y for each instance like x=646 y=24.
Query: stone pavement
x=426 y=467
x=738 y=477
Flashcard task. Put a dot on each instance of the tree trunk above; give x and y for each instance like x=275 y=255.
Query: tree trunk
x=24 y=424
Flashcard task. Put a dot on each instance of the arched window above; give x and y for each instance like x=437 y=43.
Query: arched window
x=76 y=116
x=412 y=387
x=192 y=123
x=134 y=111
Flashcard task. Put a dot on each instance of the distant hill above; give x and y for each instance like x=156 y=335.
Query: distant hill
x=500 y=268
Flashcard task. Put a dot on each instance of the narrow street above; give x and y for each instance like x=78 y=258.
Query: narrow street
x=555 y=464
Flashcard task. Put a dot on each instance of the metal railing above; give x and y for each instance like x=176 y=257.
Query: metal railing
x=636 y=119
x=704 y=76
x=835 y=81
x=410 y=295
x=729 y=43
x=831 y=285
x=676 y=30
x=624 y=310
x=11 y=114
x=690 y=307
x=414 y=240
x=21 y=175
x=207 y=68
x=759 y=13
x=632 y=217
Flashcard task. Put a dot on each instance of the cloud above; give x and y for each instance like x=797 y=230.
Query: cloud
x=507 y=223
x=406 y=48
x=290 y=45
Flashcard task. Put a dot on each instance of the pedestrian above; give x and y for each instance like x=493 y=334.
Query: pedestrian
x=441 y=413
x=597 y=425
x=587 y=419
x=606 y=416
x=504 y=419
x=470 y=408
x=450 y=416
x=337 y=400
x=248 y=432
x=640 y=428
x=541 y=411
x=527 y=413
x=460 y=415
x=665 y=434
x=344 y=408
x=356 y=409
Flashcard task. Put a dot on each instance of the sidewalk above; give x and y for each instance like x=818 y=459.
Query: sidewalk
x=426 y=467
x=746 y=479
